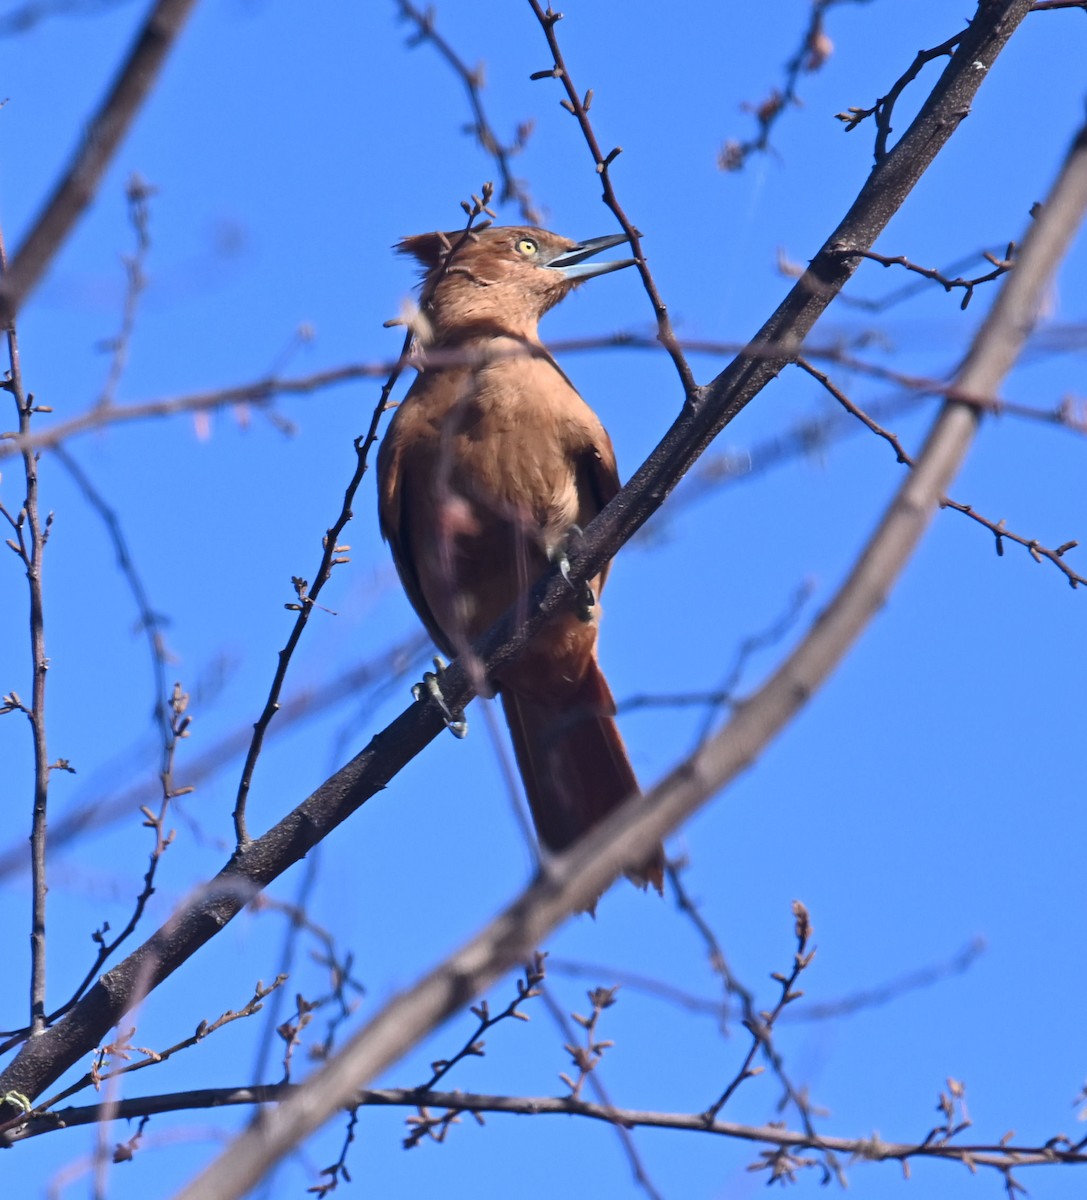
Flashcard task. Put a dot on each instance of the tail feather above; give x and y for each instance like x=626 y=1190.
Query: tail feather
x=574 y=764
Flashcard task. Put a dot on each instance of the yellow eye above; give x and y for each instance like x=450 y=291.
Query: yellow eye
x=527 y=247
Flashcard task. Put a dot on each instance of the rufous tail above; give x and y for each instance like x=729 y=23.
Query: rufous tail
x=574 y=764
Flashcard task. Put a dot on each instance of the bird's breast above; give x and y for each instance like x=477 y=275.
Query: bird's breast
x=507 y=438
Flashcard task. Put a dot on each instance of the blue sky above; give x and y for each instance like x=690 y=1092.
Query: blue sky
x=929 y=796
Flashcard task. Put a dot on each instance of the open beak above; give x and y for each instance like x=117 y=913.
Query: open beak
x=572 y=264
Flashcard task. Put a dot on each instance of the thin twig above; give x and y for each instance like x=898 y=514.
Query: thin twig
x=337 y=1171
x=121 y=1049
x=578 y=105
x=884 y=106
x=997 y=528
x=156 y=821
x=260 y=391
x=759 y=1024
x=371 y=680
x=527 y=987
x=511 y=784
x=342 y=987
x=725 y=694
x=751 y=645
x=30 y=537
x=900 y=294
x=1000 y=267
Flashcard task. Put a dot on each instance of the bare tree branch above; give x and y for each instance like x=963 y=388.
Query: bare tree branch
x=1000 y=1156
x=259 y=392
x=596 y=1084
x=138 y=194
x=151 y=622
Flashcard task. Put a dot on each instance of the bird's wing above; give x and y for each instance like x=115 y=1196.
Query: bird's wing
x=597 y=481
x=395 y=516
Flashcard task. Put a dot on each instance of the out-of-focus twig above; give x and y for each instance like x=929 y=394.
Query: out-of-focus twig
x=263 y=391
x=26 y=16
x=151 y=622
x=827 y=1010
x=101 y=137
x=812 y=53
x=514 y=190
x=137 y=193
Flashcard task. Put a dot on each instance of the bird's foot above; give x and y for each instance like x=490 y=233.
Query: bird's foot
x=586 y=597
x=431 y=688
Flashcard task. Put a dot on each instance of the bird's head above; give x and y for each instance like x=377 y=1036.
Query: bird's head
x=503 y=278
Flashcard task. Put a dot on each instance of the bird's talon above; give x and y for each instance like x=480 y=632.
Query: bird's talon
x=586 y=602
x=431 y=688
x=562 y=560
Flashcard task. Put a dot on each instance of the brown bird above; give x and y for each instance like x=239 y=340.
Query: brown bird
x=488 y=465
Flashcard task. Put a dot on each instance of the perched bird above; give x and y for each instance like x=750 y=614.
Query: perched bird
x=489 y=464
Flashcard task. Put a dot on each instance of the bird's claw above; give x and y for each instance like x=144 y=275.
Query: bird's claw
x=586 y=602
x=431 y=688
x=586 y=597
